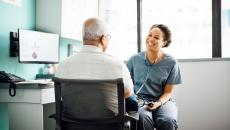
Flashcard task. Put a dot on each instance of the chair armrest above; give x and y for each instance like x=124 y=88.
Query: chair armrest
x=52 y=116
x=132 y=116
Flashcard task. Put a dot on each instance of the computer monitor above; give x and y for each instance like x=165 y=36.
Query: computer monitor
x=38 y=47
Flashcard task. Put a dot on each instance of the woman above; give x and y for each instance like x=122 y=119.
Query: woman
x=155 y=75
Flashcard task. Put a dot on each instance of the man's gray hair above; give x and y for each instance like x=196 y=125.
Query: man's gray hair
x=93 y=29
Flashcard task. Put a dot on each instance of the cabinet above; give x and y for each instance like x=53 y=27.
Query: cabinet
x=31 y=107
x=64 y=17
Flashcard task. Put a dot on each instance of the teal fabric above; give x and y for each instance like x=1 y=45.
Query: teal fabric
x=150 y=79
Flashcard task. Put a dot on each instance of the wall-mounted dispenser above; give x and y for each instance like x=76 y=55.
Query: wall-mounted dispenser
x=14 y=44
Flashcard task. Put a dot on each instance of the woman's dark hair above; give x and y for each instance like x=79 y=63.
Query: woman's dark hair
x=166 y=32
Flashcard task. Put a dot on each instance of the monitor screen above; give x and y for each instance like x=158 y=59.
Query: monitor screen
x=38 y=47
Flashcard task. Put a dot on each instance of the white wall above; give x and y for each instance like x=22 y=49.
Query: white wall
x=203 y=99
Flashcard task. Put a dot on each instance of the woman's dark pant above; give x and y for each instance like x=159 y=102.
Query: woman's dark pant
x=163 y=118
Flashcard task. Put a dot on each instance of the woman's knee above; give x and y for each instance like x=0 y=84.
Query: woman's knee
x=167 y=123
x=145 y=122
x=145 y=116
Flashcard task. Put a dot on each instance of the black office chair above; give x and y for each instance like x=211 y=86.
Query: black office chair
x=81 y=103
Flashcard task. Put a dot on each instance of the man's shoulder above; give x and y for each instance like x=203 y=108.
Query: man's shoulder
x=111 y=58
x=68 y=59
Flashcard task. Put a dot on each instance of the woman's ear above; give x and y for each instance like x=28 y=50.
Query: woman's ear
x=164 y=44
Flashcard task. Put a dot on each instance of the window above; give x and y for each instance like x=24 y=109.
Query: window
x=190 y=23
x=74 y=13
x=225 y=27
x=121 y=16
x=195 y=25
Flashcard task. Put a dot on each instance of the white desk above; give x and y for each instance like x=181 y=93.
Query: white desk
x=30 y=108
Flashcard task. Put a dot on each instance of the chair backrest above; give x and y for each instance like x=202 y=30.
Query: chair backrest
x=89 y=99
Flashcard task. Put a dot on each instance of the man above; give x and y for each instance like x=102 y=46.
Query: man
x=92 y=63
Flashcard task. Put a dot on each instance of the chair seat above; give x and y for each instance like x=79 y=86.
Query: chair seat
x=116 y=119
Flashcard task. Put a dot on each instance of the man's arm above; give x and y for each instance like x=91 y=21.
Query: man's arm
x=128 y=84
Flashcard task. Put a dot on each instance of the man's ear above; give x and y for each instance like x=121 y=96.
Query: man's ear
x=103 y=39
x=104 y=43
